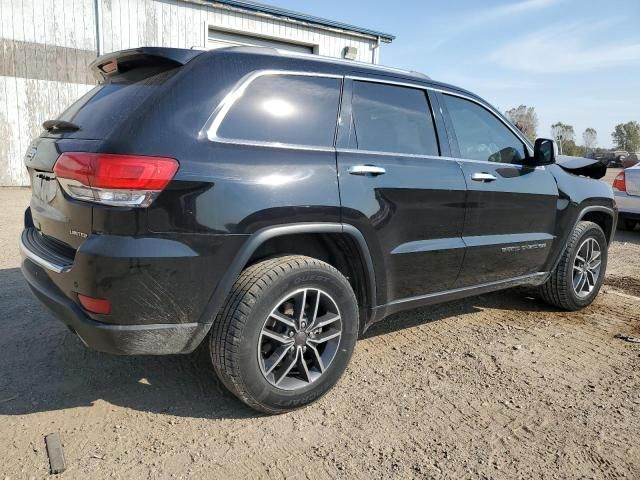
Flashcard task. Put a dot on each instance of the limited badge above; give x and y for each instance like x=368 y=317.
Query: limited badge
x=76 y=233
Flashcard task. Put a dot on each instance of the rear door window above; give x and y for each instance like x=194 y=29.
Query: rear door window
x=481 y=135
x=394 y=119
x=285 y=109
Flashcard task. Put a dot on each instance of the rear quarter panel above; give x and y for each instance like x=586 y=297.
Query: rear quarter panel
x=248 y=188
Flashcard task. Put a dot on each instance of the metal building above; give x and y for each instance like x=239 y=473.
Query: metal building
x=46 y=45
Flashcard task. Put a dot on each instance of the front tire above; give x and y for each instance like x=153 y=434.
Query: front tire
x=577 y=279
x=285 y=334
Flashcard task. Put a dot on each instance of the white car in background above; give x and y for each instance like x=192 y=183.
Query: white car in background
x=626 y=187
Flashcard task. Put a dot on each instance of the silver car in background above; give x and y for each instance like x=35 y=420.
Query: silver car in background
x=626 y=187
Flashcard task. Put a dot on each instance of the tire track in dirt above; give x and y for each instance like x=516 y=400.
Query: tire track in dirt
x=497 y=386
x=628 y=284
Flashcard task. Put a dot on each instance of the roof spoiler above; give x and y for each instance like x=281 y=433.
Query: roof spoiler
x=124 y=60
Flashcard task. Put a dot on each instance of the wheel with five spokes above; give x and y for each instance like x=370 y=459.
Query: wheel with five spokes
x=285 y=334
x=579 y=275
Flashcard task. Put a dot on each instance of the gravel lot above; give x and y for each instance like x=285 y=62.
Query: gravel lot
x=497 y=386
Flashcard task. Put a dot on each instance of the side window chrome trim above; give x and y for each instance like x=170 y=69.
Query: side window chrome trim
x=433 y=157
x=288 y=146
x=210 y=129
x=391 y=154
x=486 y=162
x=388 y=82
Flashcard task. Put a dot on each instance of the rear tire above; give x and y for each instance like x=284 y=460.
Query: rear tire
x=274 y=355
x=577 y=279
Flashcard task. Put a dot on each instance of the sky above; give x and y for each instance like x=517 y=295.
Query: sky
x=575 y=61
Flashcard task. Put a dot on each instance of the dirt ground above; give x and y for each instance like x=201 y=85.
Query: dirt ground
x=496 y=386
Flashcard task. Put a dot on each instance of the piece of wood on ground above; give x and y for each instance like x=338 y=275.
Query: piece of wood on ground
x=55 y=452
x=627 y=338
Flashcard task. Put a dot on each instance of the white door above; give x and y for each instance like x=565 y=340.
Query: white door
x=219 y=39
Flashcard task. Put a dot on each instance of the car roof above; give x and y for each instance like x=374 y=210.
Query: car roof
x=343 y=64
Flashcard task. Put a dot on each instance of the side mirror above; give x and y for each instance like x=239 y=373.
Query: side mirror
x=544 y=152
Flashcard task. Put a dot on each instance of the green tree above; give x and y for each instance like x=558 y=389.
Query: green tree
x=626 y=136
x=590 y=138
x=563 y=133
x=526 y=119
x=570 y=148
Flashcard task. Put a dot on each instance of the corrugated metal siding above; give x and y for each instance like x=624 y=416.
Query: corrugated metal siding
x=45 y=46
x=175 y=23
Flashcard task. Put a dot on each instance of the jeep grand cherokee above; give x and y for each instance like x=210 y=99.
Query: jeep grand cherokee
x=276 y=205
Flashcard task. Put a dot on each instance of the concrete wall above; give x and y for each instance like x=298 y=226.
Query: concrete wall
x=45 y=46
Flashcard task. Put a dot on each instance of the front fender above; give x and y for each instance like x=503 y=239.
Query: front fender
x=578 y=197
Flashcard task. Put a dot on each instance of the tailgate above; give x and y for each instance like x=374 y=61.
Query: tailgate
x=632 y=179
x=129 y=78
x=56 y=217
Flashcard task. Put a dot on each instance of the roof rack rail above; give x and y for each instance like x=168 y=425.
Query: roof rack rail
x=420 y=74
x=325 y=58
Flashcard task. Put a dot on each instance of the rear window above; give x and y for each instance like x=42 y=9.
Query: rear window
x=285 y=109
x=103 y=108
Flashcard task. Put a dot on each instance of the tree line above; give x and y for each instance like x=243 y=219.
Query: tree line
x=626 y=136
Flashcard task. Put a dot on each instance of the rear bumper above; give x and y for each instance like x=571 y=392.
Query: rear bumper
x=149 y=339
x=160 y=288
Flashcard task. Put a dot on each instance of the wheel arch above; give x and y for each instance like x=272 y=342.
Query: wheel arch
x=605 y=217
x=256 y=248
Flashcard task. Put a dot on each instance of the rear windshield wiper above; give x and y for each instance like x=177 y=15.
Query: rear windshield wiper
x=60 y=125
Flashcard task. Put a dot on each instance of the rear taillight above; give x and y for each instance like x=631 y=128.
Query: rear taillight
x=113 y=179
x=620 y=183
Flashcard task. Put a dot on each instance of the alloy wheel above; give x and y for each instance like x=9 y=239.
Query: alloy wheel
x=299 y=339
x=586 y=267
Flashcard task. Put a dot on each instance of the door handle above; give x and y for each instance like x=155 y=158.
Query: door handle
x=483 y=177
x=366 y=170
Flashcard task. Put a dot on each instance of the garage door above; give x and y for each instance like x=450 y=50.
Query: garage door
x=218 y=39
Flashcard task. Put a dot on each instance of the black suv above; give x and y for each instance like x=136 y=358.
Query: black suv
x=277 y=205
